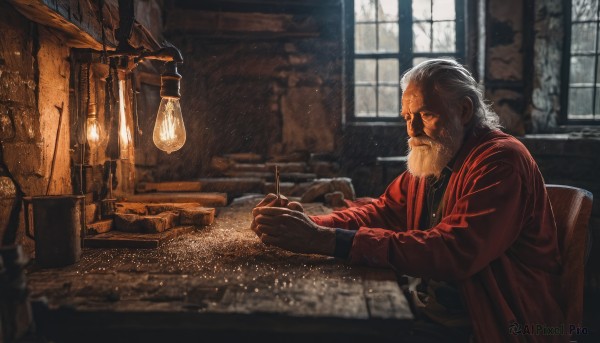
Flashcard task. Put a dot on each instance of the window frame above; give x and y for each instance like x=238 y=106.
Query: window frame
x=563 y=118
x=404 y=55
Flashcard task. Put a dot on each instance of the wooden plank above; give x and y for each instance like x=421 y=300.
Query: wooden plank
x=236 y=185
x=249 y=167
x=221 y=279
x=286 y=188
x=174 y=186
x=204 y=199
x=101 y=226
x=198 y=22
x=200 y=216
x=118 y=239
x=79 y=23
x=288 y=167
x=245 y=157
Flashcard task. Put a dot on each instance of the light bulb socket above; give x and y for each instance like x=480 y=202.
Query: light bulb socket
x=170 y=81
x=91 y=110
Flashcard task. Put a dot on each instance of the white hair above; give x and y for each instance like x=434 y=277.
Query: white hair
x=453 y=82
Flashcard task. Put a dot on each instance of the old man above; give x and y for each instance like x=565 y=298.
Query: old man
x=470 y=218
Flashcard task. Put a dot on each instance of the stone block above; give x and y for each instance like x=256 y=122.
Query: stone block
x=15 y=88
x=26 y=124
x=200 y=216
x=321 y=187
x=335 y=199
x=325 y=169
x=25 y=158
x=7 y=130
x=7 y=188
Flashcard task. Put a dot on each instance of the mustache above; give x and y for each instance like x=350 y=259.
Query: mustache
x=421 y=140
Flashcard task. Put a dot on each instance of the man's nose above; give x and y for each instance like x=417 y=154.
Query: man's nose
x=414 y=127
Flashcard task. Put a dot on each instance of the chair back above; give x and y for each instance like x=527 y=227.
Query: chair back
x=572 y=208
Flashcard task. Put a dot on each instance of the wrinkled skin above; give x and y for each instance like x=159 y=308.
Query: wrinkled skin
x=283 y=223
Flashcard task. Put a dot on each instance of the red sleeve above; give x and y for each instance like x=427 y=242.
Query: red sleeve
x=482 y=224
x=386 y=212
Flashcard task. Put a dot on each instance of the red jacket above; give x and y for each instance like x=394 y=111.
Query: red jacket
x=497 y=238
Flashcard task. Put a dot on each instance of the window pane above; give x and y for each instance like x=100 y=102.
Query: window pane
x=388 y=10
x=444 y=36
x=364 y=70
x=421 y=37
x=421 y=9
x=388 y=70
x=443 y=10
x=364 y=37
x=364 y=101
x=388 y=37
x=388 y=101
x=418 y=60
x=580 y=103
x=584 y=9
x=581 y=67
x=364 y=10
x=583 y=37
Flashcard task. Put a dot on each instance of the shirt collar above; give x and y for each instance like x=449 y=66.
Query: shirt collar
x=472 y=138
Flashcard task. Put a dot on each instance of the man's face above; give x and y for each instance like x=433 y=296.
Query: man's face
x=435 y=130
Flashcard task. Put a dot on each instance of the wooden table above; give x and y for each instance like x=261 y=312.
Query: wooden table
x=220 y=283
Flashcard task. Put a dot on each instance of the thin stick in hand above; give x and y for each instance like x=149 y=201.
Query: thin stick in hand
x=277 y=181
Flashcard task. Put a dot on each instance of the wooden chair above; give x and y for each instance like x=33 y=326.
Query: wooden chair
x=572 y=208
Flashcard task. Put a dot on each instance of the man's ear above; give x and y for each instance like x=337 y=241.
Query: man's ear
x=466 y=109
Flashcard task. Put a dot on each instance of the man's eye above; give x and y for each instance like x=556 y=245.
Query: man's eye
x=426 y=115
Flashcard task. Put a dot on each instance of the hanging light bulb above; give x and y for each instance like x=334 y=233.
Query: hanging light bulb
x=169 y=130
x=124 y=134
x=93 y=128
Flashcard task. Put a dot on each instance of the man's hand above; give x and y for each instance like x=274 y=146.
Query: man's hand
x=271 y=201
x=292 y=230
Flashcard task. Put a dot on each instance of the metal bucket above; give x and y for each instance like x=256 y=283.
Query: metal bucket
x=57 y=224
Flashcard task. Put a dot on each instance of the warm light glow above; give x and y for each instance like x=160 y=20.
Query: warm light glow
x=169 y=131
x=124 y=134
x=93 y=131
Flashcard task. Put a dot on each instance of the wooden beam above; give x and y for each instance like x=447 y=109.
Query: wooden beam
x=234 y=24
x=78 y=21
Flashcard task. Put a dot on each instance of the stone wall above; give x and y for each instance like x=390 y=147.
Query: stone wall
x=545 y=98
x=265 y=82
x=39 y=111
x=506 y=65
x=34 y=111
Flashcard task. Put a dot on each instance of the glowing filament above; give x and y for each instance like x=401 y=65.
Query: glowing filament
x=169 y=131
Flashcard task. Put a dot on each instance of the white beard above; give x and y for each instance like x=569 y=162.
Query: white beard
x=428 y=157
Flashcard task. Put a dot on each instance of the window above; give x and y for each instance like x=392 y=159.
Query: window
x=385 y=38
x=581 y=69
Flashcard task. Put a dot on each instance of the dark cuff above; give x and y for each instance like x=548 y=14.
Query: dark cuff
x=343 y=242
